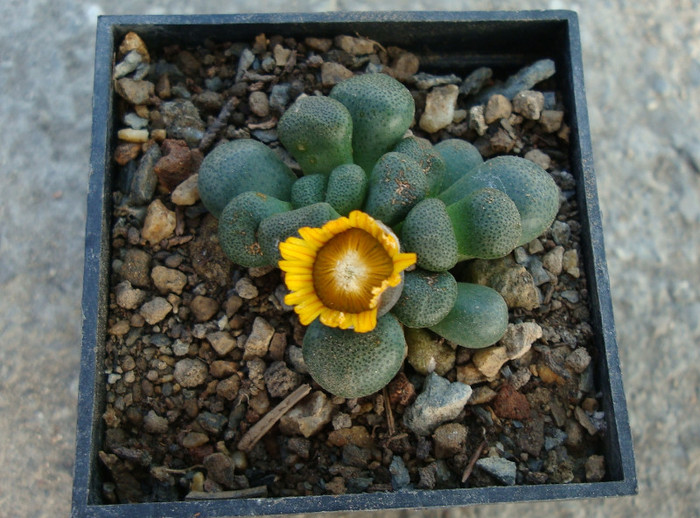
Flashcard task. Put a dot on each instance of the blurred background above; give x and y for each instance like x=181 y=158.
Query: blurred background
x=642 y=71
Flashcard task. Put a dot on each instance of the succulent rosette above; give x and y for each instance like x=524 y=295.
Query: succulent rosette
x=368 y=235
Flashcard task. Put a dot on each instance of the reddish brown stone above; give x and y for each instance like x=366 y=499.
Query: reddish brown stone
x=176 y=165
x=511 y=404
x=401 y=391
x=126 y=152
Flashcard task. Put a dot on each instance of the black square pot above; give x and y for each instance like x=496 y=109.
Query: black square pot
x=454 y=41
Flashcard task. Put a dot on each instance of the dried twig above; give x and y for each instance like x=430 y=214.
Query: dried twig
x=218 y=124
x=472 y=461
x=259 y=429
x=249 y=492
x=389 y=413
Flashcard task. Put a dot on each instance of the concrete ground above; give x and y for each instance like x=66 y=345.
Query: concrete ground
x=642 y=65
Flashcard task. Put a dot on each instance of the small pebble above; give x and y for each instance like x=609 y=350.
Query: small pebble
x=501 y=469
x=308 y=417
x=159 y=224
x=595 y=468
x=133 y=135
x=155 y=310
x=280 y=380
x=518 y=338
x=168 y=280
x=497 y=108
x=400 y=478
x=187 y=192
x=511 y=404
x=578 y=360
x=228 y=388
x=439 y=401
x=570 y=263
x=477 y=121
x=355 y=46
x=259 y=339
x=540 y=158
x=553 y=260
x=439 y=108
x=529 y=104
x=155 y=424
x=246 y=289
x=204 y=308
x=259 y=104
x=128 y=297
x=334 y=73
x=449 y=439
x=561 y=232
x=190 y=372
x=222 y=342
x=220 y=469
x=551 y=120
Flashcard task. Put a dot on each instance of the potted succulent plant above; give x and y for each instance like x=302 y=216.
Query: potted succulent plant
x=315 y=280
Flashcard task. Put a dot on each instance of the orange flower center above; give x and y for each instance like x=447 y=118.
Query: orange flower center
x=348 y=270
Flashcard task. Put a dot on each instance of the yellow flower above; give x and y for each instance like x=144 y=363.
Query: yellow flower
x=338 y=272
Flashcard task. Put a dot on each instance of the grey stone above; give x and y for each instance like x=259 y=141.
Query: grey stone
x=426 y=81
x=439 y=401
x=296 y=358
x=539 y=275
x=128 y=64
x=144 y=181
x=400 y=478
x=524 y=79
x=190 y=372
x=561 y=232
x=279 y=97
x=571 y=295
x=539 y=157
x=280 y=380
x=475 y=81
x=246 y=59
x=501 y=469
x=182 y=121
x=212 y=423
x=578 y=360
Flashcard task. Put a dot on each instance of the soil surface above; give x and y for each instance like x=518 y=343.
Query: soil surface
x=201 y=350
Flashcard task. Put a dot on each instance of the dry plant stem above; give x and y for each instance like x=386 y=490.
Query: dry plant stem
x=249 y=492
x=389 y=413
x=259 y=429
x=472 y=461
x=219 y=123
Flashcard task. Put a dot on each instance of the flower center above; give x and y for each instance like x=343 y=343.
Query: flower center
x=348 y=270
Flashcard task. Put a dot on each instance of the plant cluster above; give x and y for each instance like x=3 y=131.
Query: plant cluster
x=367 y=236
